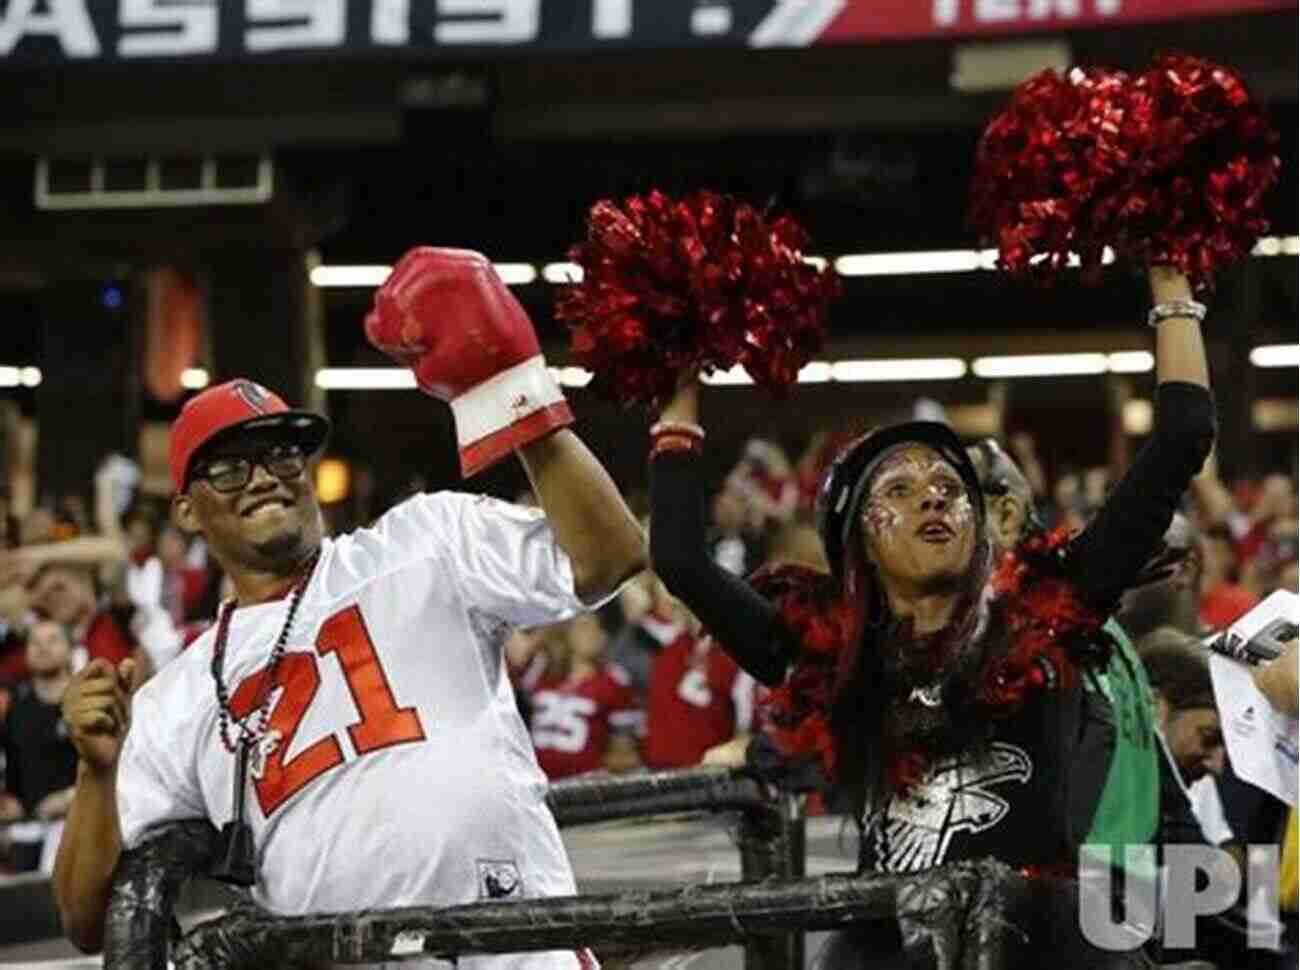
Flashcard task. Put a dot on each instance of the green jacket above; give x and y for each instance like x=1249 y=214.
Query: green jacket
x=1128 y=810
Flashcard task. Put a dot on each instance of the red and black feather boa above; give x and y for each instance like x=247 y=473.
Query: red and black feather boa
x=1039 y=632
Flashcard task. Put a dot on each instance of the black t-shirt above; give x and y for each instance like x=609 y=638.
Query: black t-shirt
x=1011 y=798
x=39 y=758
x=1007 y=799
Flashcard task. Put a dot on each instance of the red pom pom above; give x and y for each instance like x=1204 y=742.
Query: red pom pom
x=1171 y=166
x=703 y=282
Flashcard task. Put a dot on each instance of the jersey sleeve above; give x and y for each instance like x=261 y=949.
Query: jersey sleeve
x=504 y=558
x=153 y=786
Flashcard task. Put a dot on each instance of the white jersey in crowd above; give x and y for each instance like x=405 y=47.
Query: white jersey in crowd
x=396 y=770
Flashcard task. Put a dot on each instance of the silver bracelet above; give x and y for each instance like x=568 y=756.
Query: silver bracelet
x=1175 y=308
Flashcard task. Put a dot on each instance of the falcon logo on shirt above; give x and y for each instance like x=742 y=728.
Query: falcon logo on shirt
x=498 y=879
x=953 y=797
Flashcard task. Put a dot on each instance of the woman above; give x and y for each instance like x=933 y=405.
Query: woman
x=942 y=695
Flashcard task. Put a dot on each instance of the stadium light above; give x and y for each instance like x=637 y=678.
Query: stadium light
x=904 y=264
x=1130 y=362
x=194 y=378
x=374 y=274
x=815 y=372
x=731 y=377
x=516 y=274
x=20 y=376
x=365 y=379
x=1276 y=355
x=1039 y=365
x=898 y=369
x=1277 y=246
x=562 y=273
x=340 y=276
x=851 y=264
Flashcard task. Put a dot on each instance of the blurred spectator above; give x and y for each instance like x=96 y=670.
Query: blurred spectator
x=144 y=571
x=40 y=761
x=13 y=637
x=759 y=494
x=765 y=480
x=1224 y=600
x=798 y=542
x=652 y=619
x=734 y=547
x=1272 y=519
x=67 y=595
x=584 y=713
x=816 y=458
x=38 y=527
x=186 y=587
x=1174 y=600
x=1096 y=484
x=1259 y=522
x=1025 y=452
x=1179 y=672
x=698 y=698
x=1069 y=507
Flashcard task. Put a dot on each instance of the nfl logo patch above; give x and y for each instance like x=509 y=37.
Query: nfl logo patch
x=498 y=879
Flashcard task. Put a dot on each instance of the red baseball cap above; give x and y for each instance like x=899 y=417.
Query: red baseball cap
x=237 y=405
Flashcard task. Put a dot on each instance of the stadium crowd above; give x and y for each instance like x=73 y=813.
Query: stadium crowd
x=637 y=686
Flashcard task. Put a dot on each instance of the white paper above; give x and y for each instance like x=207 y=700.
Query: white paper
x=1261 y=742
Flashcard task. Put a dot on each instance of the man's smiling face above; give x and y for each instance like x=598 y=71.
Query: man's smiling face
x=252 y=498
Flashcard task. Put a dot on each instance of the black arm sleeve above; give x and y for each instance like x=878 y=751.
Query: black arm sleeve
x=1110 y=554
x=746 y=624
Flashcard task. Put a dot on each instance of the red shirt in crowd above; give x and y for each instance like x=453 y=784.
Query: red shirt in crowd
x=698 y=698
x=13 y=657
x=1224 y=604
x=105 y=638
x=573 y=719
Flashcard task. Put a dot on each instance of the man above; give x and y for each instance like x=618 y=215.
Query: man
x=40 y=763
x=361 y=680
x=65 y=593
x=699 y=698
x=1179 y=671
x=585 y=714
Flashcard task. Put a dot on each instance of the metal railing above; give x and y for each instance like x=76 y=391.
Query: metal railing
x=768 y=910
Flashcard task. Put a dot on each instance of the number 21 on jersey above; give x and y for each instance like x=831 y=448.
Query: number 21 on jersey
x=382 y=725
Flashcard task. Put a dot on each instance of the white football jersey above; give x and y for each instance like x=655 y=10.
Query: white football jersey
x=396 y=770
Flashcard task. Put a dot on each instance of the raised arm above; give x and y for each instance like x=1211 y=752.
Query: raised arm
x=745 y=623
x=1127 y=530
x=591 y=521
x=447 y=315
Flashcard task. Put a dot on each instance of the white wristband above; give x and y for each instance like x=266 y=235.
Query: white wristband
x=503 y=399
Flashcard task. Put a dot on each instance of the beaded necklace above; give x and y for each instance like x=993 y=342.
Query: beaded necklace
x=235 y=860
x=262 y=708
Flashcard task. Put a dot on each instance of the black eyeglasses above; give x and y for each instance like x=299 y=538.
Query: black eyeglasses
x=231 y=474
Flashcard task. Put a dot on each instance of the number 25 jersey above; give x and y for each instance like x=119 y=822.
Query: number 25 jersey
x=395 y=769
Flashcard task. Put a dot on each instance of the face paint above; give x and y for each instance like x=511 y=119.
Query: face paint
x=914 y=475
x=918 y=520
